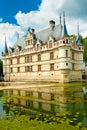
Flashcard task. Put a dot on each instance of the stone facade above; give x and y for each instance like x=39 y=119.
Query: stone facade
x=44 y=56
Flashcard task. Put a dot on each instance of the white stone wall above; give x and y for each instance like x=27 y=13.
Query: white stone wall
x=62 y=65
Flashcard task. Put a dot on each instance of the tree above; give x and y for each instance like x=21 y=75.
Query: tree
x=1 y=69
x=85 y=50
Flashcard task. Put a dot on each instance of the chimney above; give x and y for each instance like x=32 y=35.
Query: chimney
x=33 y=30
x=52 y=24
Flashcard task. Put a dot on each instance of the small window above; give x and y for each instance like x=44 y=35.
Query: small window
x=18 y=60
x=63 y=41
x=39 y=57
x=73 y=66
x=66 y=53
x=51 y=55
x=28 y=68
x=27 y=59
x=51 y=67
x=30 y=58
x=66 y=64
x=66 y=40
x=18 y=69
x=39 y=67
x=11 y=61
x=72 y=55
x=11 y=70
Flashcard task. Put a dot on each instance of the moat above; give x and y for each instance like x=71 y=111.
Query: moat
x=50 y=100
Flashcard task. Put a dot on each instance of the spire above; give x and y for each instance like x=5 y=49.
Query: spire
x=6 y=49
x=78 y=41
x=60 y=18
x=63 y=17
x=64 y=33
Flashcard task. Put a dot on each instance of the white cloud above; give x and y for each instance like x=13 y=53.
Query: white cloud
x=39 y=19
x=51 y=10
x=9 y=30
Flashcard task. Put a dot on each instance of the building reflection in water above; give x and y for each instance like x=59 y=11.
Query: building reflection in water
x=51 y=100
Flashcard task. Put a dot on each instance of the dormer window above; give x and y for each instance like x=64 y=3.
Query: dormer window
x=38 y=43
x=29 y=42
x=30 y=39
x=51 y=38
x=66 y=40
x=63 y=41
x=50 y=44
x=18 y=48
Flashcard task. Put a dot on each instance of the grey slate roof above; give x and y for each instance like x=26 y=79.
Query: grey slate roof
x=43 y=35
x=20 y=42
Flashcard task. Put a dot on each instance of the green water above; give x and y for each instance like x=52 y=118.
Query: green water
x=50 y=100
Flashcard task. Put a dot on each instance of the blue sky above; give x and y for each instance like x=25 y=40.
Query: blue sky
x=17 y=15
x=9 y=8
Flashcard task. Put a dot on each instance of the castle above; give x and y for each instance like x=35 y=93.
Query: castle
x=48 y=55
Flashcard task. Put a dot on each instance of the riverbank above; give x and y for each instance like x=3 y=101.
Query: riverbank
x=24 y=85
x=27 y=85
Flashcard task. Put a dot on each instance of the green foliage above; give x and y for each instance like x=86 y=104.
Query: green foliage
x=85 y=50
x=1 y=69
x=25 y=123
x=84 y=42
